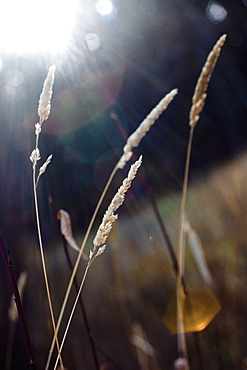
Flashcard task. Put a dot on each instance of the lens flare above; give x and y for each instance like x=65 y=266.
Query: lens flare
x=216 y=12
x=104 y=7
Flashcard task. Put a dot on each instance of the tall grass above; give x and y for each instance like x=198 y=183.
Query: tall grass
x=132 y=141
x=198 y=101
x=44 y=108
x=101 y=237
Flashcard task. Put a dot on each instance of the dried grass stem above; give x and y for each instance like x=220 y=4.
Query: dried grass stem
x=197 y=106
x=120 y=164
x=102 y=234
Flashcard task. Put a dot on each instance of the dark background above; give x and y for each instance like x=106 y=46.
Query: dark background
x=146 y=49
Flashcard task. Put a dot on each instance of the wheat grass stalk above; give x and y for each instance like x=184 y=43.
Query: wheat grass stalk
x=198 y=101
x=44 y=108
x=137 y=136
x=200 y=94
x=102 y=234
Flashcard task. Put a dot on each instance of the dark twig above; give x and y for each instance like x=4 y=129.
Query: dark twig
x=163 y=230
x=9 y=266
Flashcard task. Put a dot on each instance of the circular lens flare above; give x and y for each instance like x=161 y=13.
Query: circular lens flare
x=104 y=7
x=216 y=12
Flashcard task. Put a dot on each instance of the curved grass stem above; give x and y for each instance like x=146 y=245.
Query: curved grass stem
x=43 y=257
x=133 y=141
x=72 y=312
x=77 y=264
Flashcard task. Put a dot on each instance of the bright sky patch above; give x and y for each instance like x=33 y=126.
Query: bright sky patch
x=36 y=25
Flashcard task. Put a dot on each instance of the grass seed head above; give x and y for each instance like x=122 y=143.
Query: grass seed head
x=109 y=216
x=134 y=139
x=44 y=107
x=199 y=96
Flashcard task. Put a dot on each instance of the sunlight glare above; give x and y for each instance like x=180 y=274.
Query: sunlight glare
x=36 y=25
x=104 y=7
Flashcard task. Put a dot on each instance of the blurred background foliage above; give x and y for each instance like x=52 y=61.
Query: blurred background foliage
x=105 y=86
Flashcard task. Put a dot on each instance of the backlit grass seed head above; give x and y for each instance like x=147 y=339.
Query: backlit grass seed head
x=144 y=127
x=43 y=167
x=35 y=156
x=44 y=107
x=109 y=216
x=199 y=96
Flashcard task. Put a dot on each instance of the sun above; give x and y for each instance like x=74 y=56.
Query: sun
x=36 y=25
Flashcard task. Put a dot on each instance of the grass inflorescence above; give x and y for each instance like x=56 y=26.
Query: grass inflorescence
x=102 y=235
